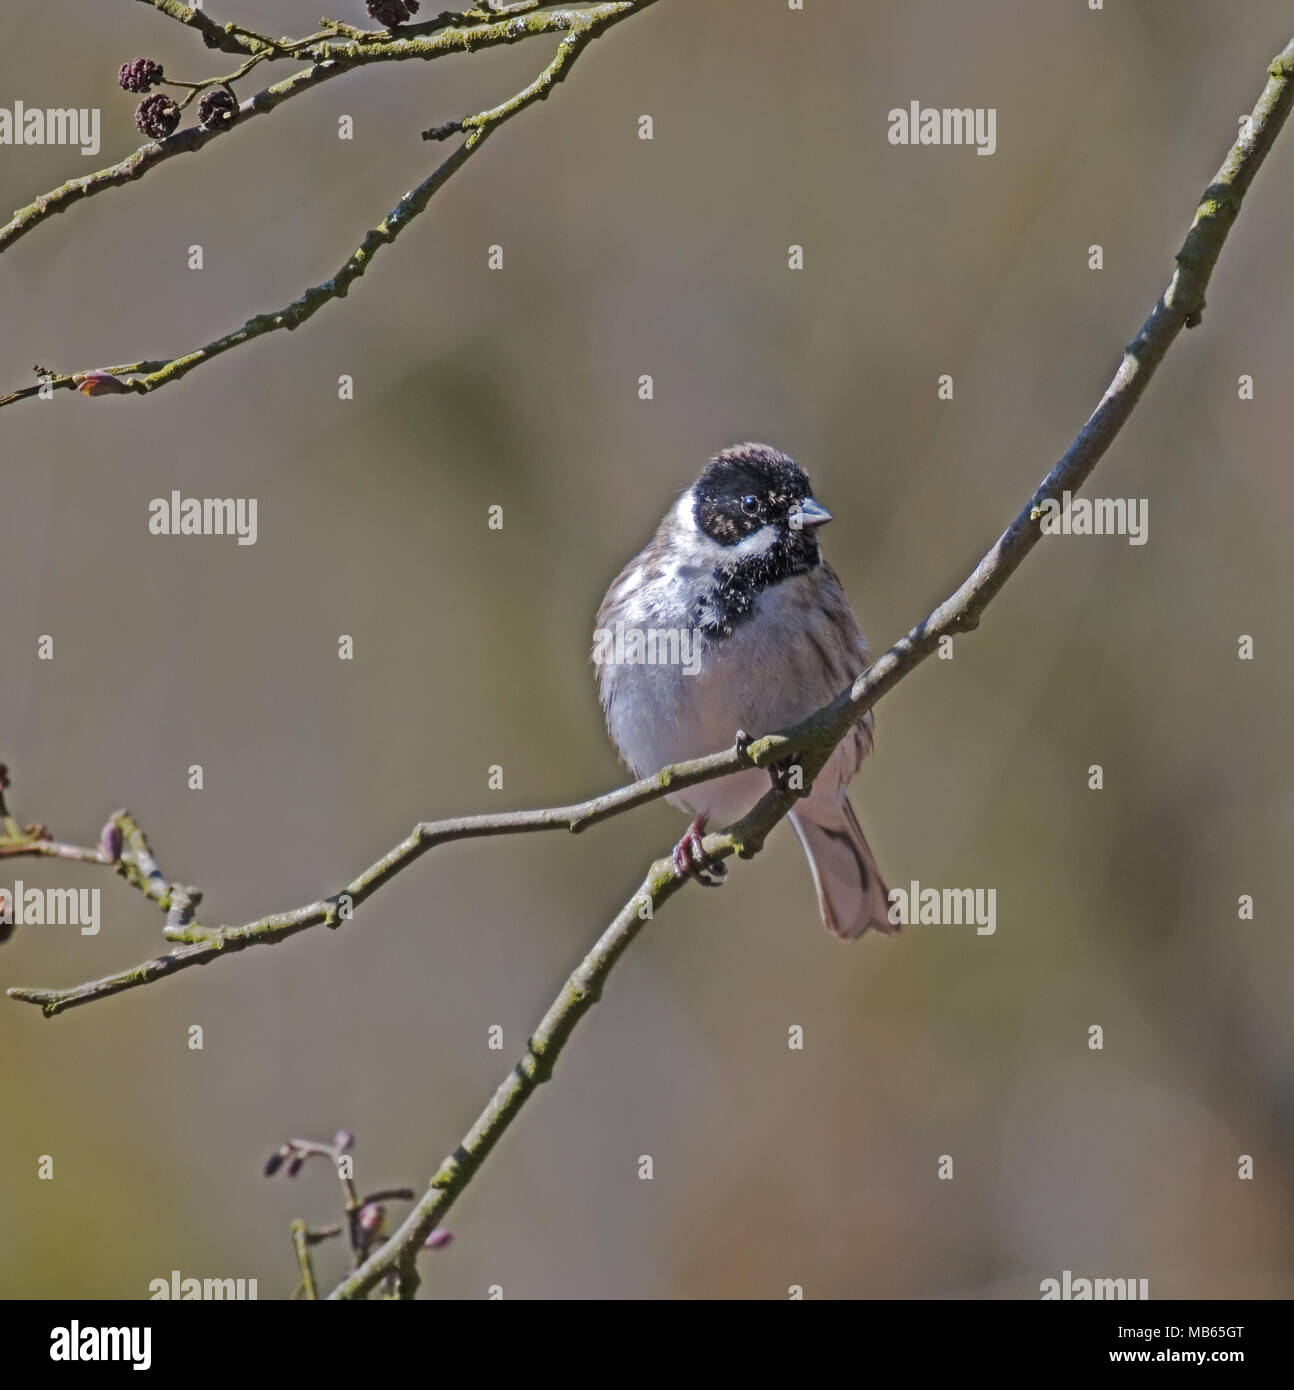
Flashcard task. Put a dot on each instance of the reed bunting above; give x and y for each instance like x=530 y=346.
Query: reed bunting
x=730 y=620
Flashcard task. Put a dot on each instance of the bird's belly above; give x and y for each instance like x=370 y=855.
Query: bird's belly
x=659 y=721
x=758 y=680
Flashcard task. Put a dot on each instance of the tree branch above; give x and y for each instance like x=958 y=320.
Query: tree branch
x=228 y=38
x=331 y=56
x=200 y=945
x=233 y=38
x=580 y=992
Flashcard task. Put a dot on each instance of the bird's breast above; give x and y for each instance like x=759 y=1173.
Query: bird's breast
x=787 y=659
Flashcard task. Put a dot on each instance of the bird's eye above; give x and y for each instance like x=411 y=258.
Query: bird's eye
x=750 y=504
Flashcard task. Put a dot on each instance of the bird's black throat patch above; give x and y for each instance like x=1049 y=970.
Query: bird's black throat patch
x=730 y=600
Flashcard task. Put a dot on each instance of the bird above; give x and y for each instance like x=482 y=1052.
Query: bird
x=728 y=620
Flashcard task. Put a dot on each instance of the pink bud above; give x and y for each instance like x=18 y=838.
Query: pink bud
x=100 y=384
x=372 y=1218
x=110 y=841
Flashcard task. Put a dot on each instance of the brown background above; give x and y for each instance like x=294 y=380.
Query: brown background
x=623 y=257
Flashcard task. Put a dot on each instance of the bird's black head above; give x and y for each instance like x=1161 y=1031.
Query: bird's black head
x=754 y=504
x=751 y=486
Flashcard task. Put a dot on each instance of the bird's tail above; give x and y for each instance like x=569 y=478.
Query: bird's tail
x=851 y=893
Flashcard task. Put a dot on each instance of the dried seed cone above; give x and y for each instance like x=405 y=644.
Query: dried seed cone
x=217 y=109
x=390 y=13
x=157 y=116
x=140 y=74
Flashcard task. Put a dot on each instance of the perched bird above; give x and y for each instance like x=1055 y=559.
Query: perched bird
x=730 y=620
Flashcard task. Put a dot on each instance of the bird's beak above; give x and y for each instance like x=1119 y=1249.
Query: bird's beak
x=813 y=513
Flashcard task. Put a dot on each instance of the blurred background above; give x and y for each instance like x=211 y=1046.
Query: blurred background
x=519 y=388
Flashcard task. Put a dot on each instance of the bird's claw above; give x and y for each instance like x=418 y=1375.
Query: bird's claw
x=691 y=860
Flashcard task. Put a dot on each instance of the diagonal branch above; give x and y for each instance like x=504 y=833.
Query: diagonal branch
x=577 y=27
x=580 y=992
x=1181 y=305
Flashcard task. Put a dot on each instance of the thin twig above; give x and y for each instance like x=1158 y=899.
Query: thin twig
x=201 y=945
x=301 y=1244
x=228 y=38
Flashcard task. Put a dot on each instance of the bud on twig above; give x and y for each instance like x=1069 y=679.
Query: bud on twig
x=276 y=1160
x=110 y=841
x=102 y=383
x=371 y=1219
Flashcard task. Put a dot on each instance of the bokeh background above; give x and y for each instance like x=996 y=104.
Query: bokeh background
x=520 y=388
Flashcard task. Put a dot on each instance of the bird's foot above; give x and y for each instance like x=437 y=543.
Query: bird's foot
x=786 y=775
x=691 y=860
